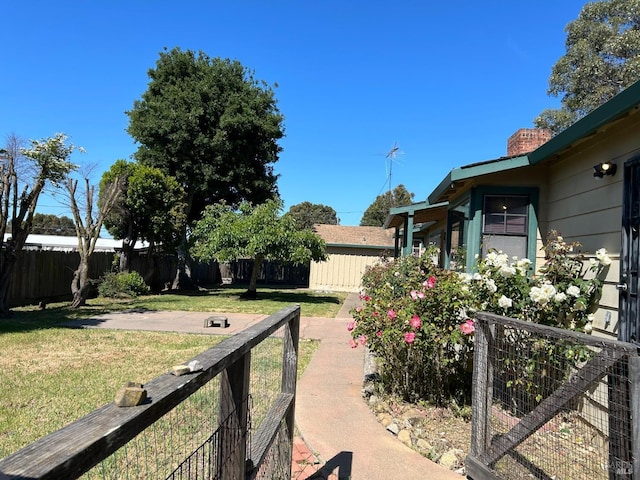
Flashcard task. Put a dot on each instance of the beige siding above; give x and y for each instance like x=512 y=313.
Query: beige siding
x=344 y=269
x=589 y=210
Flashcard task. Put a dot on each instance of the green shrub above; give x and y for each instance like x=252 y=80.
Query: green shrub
x=416 y=318
x=410 y=319
x=122 y=285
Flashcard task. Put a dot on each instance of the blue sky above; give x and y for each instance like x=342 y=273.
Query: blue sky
x=448 y=81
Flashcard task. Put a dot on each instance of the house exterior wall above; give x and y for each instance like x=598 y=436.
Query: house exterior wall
x=343 y=270
x=589 y=210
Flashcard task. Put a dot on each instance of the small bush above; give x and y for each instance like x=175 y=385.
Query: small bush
x=122 y=285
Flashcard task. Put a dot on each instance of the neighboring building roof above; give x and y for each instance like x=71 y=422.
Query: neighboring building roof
x=362 y=237
x=68 y=243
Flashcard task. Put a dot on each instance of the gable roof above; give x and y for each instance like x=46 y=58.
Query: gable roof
x=363 y=237
x=623 y=104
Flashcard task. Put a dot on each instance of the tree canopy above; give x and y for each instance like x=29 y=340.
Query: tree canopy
x=306 y=214
x=151 y=207
x=376 y=213
x=259 y=232
x=48 y=224
x=209 y=123
x=602 y=58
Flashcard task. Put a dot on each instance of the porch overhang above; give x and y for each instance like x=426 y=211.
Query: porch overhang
x=421 y=212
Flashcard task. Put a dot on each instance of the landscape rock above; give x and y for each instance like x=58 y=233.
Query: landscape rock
x=405 y=437
x=424 y=445
x=131 y=395
x=393 y=428
x=451 y=459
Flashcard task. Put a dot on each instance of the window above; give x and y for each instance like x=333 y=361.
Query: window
x=417 y=248
x=505 y=224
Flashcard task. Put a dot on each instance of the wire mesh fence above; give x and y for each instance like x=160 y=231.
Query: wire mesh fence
x=232 y=418
x=550 y=403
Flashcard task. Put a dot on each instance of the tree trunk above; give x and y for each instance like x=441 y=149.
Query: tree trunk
x=80 y=284
x=182 y=280
x=125 y=255
x=252 y=292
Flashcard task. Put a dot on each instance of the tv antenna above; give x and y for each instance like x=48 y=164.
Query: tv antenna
x=391 y=156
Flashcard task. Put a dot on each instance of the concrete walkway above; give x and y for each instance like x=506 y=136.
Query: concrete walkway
x=331 y=415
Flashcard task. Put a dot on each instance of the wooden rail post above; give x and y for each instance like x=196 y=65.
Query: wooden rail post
x=290 y=368
x=234 y=394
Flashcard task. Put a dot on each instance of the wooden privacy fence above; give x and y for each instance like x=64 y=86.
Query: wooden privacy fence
x=552 y=403
x=230 y=420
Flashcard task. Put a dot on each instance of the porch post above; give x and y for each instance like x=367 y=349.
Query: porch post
x=408 y=235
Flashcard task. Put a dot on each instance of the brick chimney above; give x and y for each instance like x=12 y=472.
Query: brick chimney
x=527 y=140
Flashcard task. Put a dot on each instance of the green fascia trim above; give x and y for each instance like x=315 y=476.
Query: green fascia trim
x=475 y=170
x=619 y=105
x=409 y=208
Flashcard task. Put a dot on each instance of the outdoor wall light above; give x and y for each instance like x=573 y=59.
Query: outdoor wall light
x=604 y=168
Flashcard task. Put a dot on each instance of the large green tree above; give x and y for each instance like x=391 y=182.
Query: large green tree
x=214 y=127
x=258 y=232
x=24 y=173
x=376 y=213
x=151 y=208
x=602 y=58
x=307 y=214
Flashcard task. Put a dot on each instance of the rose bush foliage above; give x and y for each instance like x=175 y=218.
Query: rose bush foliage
x=417 y=319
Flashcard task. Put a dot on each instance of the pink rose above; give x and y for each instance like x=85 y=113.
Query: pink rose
x=468 y=327
x=409 y=337
x=359 y=308
x=353 y=343
x=351 y=326
x=430 y=283
x=415 y=321
x=379 y=333
x=362 y=339
x=392 y=314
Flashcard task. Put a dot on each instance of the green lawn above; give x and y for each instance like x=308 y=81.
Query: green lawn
x=51 y=376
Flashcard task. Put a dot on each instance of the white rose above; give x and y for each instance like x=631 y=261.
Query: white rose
x=505 y=302
x=535 y=294
x=507 y=271
x=491 y=285
x=548 y=291
x=588 y=328
x=602 y=257
x=574 y=291
x=560 y=297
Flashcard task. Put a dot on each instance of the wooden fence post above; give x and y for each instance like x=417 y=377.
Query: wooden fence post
x=233 y=414
x=290 y=368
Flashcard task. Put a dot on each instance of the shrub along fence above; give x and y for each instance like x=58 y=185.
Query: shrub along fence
x=552 y=403
x=232 y=419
